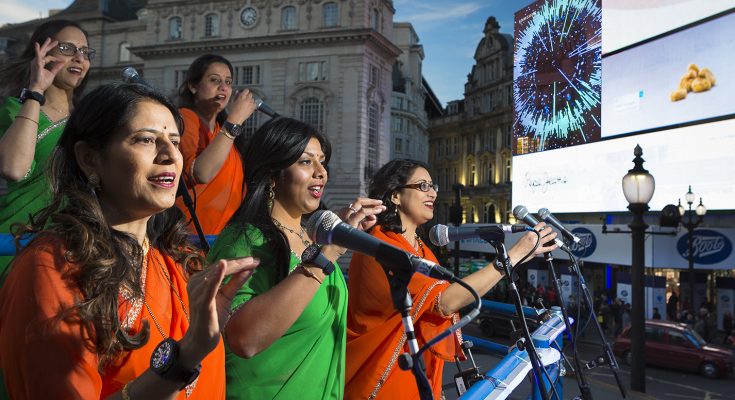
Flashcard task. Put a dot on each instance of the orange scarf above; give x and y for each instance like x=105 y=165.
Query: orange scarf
x=217 y=200
x=375 y=335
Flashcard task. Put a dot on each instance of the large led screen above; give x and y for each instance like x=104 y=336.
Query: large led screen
x=665 y=85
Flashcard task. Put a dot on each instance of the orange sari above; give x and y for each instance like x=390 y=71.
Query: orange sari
x=375 y=335
x=217 y=200
x=45 y=356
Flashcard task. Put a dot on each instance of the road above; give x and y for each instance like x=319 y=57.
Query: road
x=660 y=383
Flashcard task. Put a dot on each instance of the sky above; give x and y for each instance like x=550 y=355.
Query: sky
x=448 y=30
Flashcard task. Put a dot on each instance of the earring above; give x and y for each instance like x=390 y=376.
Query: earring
x=271 y=196
x=93 y=182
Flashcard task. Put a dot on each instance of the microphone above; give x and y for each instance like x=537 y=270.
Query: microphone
x=441 y=235
x=261 y=106
x=521 y=212
x=130 y=75
x=546 y=215
x=325 y=227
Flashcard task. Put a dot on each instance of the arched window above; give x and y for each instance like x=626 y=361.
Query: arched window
x=312 y=112
x=507 y=171
x=175 y=28
x=372 y=144
x=124 y=52
x=211 y=25
x=288 y=18
x=375 y=20
x=330 y=15
x=489 y=213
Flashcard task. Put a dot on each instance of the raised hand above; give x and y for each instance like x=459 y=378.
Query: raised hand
x=41 y=77
x=242 y=107
x=362 y=213
x=527 y=242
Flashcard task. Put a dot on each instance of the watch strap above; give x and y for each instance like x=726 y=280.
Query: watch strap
x=26 y=94
x=324 y=263
x=232 y=130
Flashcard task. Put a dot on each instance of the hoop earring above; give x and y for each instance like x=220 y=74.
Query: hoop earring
x=271 y=196
x=93 y=182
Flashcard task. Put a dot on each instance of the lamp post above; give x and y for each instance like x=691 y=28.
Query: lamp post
x=457 y=221
x=638 y=187
x=690 y=225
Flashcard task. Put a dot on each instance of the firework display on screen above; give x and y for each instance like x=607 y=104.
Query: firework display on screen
x=557 y=75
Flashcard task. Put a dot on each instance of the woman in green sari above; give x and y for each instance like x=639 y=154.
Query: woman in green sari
x=286 y=336
x=47 y=77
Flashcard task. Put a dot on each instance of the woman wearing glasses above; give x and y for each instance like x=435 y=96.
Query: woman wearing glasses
x=374 y=329
x=47 y=78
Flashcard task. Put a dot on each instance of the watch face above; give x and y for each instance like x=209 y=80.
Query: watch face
x=248 y=16
x=310 y=253
x=161 y=355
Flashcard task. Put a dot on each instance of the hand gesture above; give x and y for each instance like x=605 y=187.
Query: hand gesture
x=209 y=300
x=526 y=243
x=41 y=77
x=242 y=107
x=362 y=213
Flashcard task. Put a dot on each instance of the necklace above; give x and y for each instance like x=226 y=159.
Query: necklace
x=300 y=234
x=418 y=243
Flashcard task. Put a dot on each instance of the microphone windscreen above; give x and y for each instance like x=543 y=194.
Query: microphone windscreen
x=439 y=235
x=129 y=74
x=520 y=212
x=320 y=225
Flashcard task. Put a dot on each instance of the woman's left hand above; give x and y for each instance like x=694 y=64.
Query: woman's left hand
x=362 y=213
x=527 y=242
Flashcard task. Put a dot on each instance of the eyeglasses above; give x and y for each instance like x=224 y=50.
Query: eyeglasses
x=69 y=49
x=422 y=186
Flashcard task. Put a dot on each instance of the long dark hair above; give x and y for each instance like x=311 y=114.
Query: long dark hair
x=16 y=74
x=107 y=259
x=389 y=178
x=274 y=147
x=194 y=75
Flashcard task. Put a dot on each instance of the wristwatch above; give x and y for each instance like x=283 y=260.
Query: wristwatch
x=26 y=94
x=234 y=130
x=165 y=363
x=313 y=255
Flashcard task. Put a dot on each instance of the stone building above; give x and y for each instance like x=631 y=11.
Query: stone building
x=470 y=143
x=327 y=62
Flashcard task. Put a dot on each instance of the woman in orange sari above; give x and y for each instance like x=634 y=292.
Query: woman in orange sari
x=375 y=336
x=101 y=304
x=210 y=160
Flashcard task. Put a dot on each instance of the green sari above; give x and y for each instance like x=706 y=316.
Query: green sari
x=308 y=361
x=31 y=193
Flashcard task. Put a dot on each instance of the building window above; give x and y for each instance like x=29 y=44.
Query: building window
x=374 y=77
x=399 y=145
x=251 y=125
x=312 y=112
x=375 y=20
x=473 y=172
x=124 y=53
x=175 y=28
x=507 y=171
x=288 y=18
x=179 y=77
x=456 y=146
x=313 y=71
x=330 y=15
x=211 y=25
x=247 y=75
x=372 y=144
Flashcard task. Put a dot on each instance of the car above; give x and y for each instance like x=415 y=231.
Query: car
x=677 y=346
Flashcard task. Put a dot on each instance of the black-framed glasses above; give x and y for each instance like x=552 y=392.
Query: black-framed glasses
x=69 y=49
x=422 y=186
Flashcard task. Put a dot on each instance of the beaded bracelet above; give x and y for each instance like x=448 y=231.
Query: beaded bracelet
x=308 y=272
x=24 y=117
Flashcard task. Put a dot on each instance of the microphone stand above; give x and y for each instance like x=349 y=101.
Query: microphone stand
x=183 y=191
x=528 y=345
x=398 y=269
x=584 y=387
x=608 y=357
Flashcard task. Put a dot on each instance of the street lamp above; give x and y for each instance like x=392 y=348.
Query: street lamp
x=638 y=187
x=690 y=225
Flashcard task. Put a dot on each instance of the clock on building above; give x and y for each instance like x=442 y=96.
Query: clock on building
x=248 y=17
x=557 y=75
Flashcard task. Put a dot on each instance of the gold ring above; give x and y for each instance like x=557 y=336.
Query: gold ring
x=352 y=208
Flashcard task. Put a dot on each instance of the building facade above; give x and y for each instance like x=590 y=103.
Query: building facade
x=329 y=63
x=470 y=143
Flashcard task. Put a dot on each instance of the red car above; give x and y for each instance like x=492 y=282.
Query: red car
x=678 y=346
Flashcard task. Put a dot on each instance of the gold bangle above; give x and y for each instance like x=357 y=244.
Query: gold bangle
x=24 y=117
x=308 y=273
x=125 y=394
x=227 y=134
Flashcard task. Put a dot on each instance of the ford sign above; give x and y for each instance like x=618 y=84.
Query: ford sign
x=708 y=246
x=624 y=293
x=725 y=298
x=586 y=245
